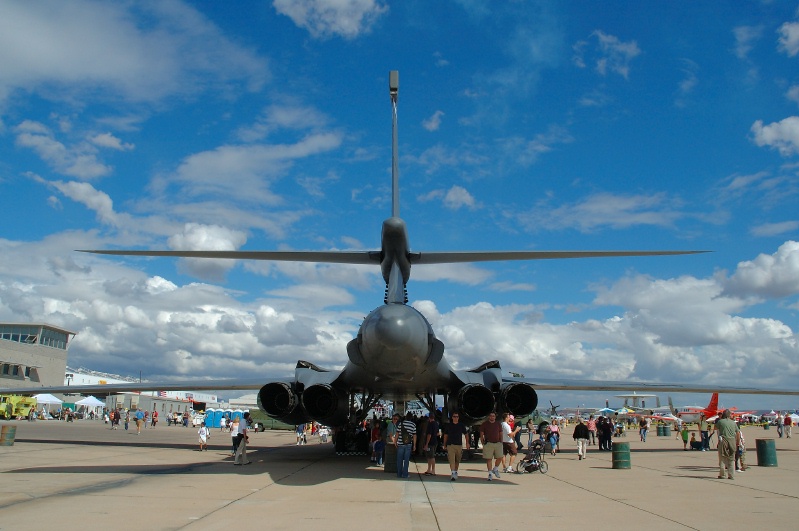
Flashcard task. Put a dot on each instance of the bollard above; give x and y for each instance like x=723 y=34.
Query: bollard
x=390 y=459
x=7 y=435
x=621 y=455
x=766 y=452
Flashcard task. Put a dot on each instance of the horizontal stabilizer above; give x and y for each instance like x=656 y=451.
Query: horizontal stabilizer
x=491 y=256
x=373 y=257
x=332 y=257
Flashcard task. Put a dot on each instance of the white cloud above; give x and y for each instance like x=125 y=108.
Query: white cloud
x=612 y=54
x=434 y=122
x=198 y=237
x=789 y=38
x=793 y=93
x=455 y=198
x=327 y=18
x=782 y=135
x=60 y=50
x=291 y=116
x=458 y=197
x=251 y=167
x=770 y=276
x=745 y=36
x=86 y=194
x=605 y=210
x=79 y=160
x=774 y=229
x=107 y=140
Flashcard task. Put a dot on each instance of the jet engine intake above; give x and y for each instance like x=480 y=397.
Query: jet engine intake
x=474 y=401
x=325 y=404
x=280 y=401
x=518 y=399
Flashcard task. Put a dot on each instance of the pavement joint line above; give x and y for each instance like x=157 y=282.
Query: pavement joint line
x=199 y=519
x=427 y=495
x=660 y=516
x=711 y=478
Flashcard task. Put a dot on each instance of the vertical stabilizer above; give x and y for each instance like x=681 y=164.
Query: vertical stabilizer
x=393 y=90
x=713 y=406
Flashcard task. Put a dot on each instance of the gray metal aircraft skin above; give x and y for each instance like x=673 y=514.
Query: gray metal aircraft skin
x=396 y=355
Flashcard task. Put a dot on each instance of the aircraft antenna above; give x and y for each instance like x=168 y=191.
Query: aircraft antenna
x=393 y=91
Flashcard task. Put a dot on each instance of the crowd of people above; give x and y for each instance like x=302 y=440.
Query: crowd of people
x=500 y=439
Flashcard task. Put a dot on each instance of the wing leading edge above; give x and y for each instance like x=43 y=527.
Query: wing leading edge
x=599 y=385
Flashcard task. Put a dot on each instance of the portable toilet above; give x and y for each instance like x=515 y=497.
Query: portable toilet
x=218 y=414
x=237 y=414
x=209 y=417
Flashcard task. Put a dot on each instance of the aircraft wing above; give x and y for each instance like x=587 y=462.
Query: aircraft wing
x=490 y=256
x=336 y=257
x=599 y=385
x=112 y=388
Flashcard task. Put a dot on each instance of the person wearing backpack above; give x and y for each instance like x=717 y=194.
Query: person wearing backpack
x=406 y=442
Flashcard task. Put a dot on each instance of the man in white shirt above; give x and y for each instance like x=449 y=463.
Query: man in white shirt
x=241 y=451
x=509 y=447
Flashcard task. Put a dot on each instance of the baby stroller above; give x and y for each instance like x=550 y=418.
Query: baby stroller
x=534 y=460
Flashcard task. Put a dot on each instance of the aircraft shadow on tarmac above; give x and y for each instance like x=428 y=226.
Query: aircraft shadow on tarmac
x=286 y=465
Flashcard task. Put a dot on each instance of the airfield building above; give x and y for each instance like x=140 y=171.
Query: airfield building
x=33 y=354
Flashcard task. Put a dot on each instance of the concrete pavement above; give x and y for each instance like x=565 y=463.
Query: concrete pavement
x=83 y=476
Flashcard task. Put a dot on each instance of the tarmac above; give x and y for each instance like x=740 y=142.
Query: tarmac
x=84 y=476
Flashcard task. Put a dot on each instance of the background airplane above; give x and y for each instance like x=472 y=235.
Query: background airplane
x=692 y=413
x=396 y=354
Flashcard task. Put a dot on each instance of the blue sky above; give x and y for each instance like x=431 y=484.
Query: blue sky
x=523 y=125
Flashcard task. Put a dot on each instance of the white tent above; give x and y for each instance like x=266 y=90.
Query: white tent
x=89 y=401
x=47 y=398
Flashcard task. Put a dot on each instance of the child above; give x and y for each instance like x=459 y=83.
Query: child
x=684 y=434
x=740 y=455
x=377 y=452
x=695 y=445
x=204 y=435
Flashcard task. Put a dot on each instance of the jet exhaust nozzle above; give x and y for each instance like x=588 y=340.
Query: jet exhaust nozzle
x=474 y=401
x=518 y=399
x=280 y=401
x=325 y=404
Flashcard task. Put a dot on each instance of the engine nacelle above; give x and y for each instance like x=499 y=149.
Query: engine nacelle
x=518 y=399
x=473 y=401
x=325 y=404
x=279 y=401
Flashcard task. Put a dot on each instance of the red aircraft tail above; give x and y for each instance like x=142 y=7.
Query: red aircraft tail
x=712 y=408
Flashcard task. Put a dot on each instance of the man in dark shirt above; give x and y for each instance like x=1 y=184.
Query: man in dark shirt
x=430 y=444
x=581 y=436
x=491 y=437
x=454 y=432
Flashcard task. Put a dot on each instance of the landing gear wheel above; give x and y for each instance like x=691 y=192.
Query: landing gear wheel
x=520 y=467
x=543 y=467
